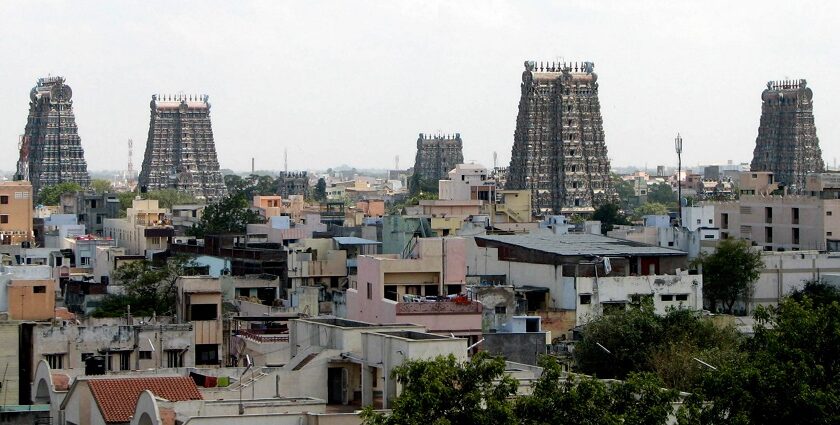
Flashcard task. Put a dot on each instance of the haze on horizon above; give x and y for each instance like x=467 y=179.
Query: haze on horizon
x=355 y=82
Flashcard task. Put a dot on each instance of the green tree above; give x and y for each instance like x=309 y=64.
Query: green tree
x=819 y=292
x=661 y=193
x=51 y=195
x=729 y=273
x=168 y=197
x=101 y=186
x=149 y=289
x=418 y=185
x=320 y=192
x=790 y=372
x=651 y=208
x=609 y=215
x=230 y=214
x=561 y=398
x=445 y=391
x=624 y=189
x=235 y=183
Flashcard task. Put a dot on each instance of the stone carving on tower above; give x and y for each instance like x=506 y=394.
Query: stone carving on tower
x=436 y=156
x=50 y=148
x=558 y=151
x=180 y=152
x=787 y=141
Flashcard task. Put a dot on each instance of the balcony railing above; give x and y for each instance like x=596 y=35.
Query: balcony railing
x=262 y=336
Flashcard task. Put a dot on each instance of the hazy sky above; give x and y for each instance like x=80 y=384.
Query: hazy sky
x=355 y=82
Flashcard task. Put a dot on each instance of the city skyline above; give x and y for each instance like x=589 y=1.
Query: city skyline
x=329 y=80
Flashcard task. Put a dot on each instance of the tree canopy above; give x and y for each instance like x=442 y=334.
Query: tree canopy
x=51 y=195
x=100 y=186
x=609 y=215
x=230 y=214
x=729 y=273
x=650 y=208
x=148 y=288
x=661 y=193
x=320 y=192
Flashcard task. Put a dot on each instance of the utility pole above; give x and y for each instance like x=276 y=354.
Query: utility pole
x=678 y=145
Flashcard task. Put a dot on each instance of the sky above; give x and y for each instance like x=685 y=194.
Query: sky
x=355 y=82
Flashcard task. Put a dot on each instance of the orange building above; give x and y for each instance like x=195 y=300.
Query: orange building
x=32 y=299
x=15 y=212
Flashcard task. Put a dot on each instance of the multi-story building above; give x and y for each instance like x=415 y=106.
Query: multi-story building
x=146 y=229
x=92 y=210
x=180 y=150
x=787 y=142
x=809 y=221
x=423 y=289
x=558 y=151
x=15 y=212
x=467 y=182
x=51 y=149
x=199 y=302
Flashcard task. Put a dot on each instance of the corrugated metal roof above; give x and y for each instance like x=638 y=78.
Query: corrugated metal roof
x=352 y=240
x=581 y=244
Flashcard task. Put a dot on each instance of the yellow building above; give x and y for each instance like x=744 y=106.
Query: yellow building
x=15 y=212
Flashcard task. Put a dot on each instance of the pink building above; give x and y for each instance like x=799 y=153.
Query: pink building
x=424 y=289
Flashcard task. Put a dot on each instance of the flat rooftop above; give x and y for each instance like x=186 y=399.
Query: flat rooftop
x=577 y=244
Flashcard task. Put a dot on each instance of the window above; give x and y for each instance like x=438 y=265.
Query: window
x=795 y=215
x=724 y=221
x=174 y=358
x=4 y=199
x=207 y=354
x=681 y=297
x=56 y=361
x=203 y=312
x=145 y=355
x=828 y=213
x=40 y=289
x=666 y=297
x=724 y=235
x=370 y=291
x=4 y=219
x=500 y=309
x=586 y=299
x=795 y=235
x=768 y=234
x=768 y=214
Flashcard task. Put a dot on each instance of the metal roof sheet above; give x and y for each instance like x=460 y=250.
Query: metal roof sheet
x=352 y=240
x=581 y=244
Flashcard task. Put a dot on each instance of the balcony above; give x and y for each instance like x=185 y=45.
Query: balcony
x=264 y=336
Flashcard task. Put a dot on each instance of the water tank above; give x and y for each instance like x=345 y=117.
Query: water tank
x=95 y=365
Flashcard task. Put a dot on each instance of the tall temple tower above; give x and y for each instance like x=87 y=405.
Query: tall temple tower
x=559 y=152
x=180 y=152
x=50 y=149
x=787 y=141
x=437 y=155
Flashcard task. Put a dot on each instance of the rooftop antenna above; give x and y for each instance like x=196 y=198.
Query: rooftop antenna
x=397 y=162
x=495 y=160
x=286 y=160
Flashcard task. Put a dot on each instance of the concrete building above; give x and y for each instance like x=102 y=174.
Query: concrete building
x=92 y=209
x=199 y=302
x=425 y=288
x=568 y=278
x=15 y=212
x=809 y=221
x=146 y=229
x=467 y=182
x=185 y=217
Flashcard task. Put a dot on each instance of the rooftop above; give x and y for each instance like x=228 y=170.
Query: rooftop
x=578 y=244
x=117 y=398
x=352 y=240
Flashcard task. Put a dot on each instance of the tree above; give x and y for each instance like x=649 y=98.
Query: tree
x=609 y=215
x=625 y=191
x=418 y=185
x=661 y=193
x=650 y=208
x=101 y=186
x=561 y=398
x=445 y=391
x=51 y=195
x=819 y=292
x=148 y=289
x=320 y=192
x=729 y=273
x=168 y=197
x=790 y=372
x=229 y=214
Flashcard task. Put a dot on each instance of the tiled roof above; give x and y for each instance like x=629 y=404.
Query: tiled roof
x=117 y=398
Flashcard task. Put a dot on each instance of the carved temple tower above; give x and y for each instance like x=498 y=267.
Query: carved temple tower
x=787 y=141
x=51 y=149
x=436 y=156
x=180 y=152
x=559 y=152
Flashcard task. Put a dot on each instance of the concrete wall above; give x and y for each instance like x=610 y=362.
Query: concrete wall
x=786 y=272
x=31 y=299
x=516 y=347
x=16 y=211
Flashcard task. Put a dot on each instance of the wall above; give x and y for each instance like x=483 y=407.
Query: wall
x=516 y=347
x=17 y=211
x=786 y=272
x=27 y=303
x=10 y=361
